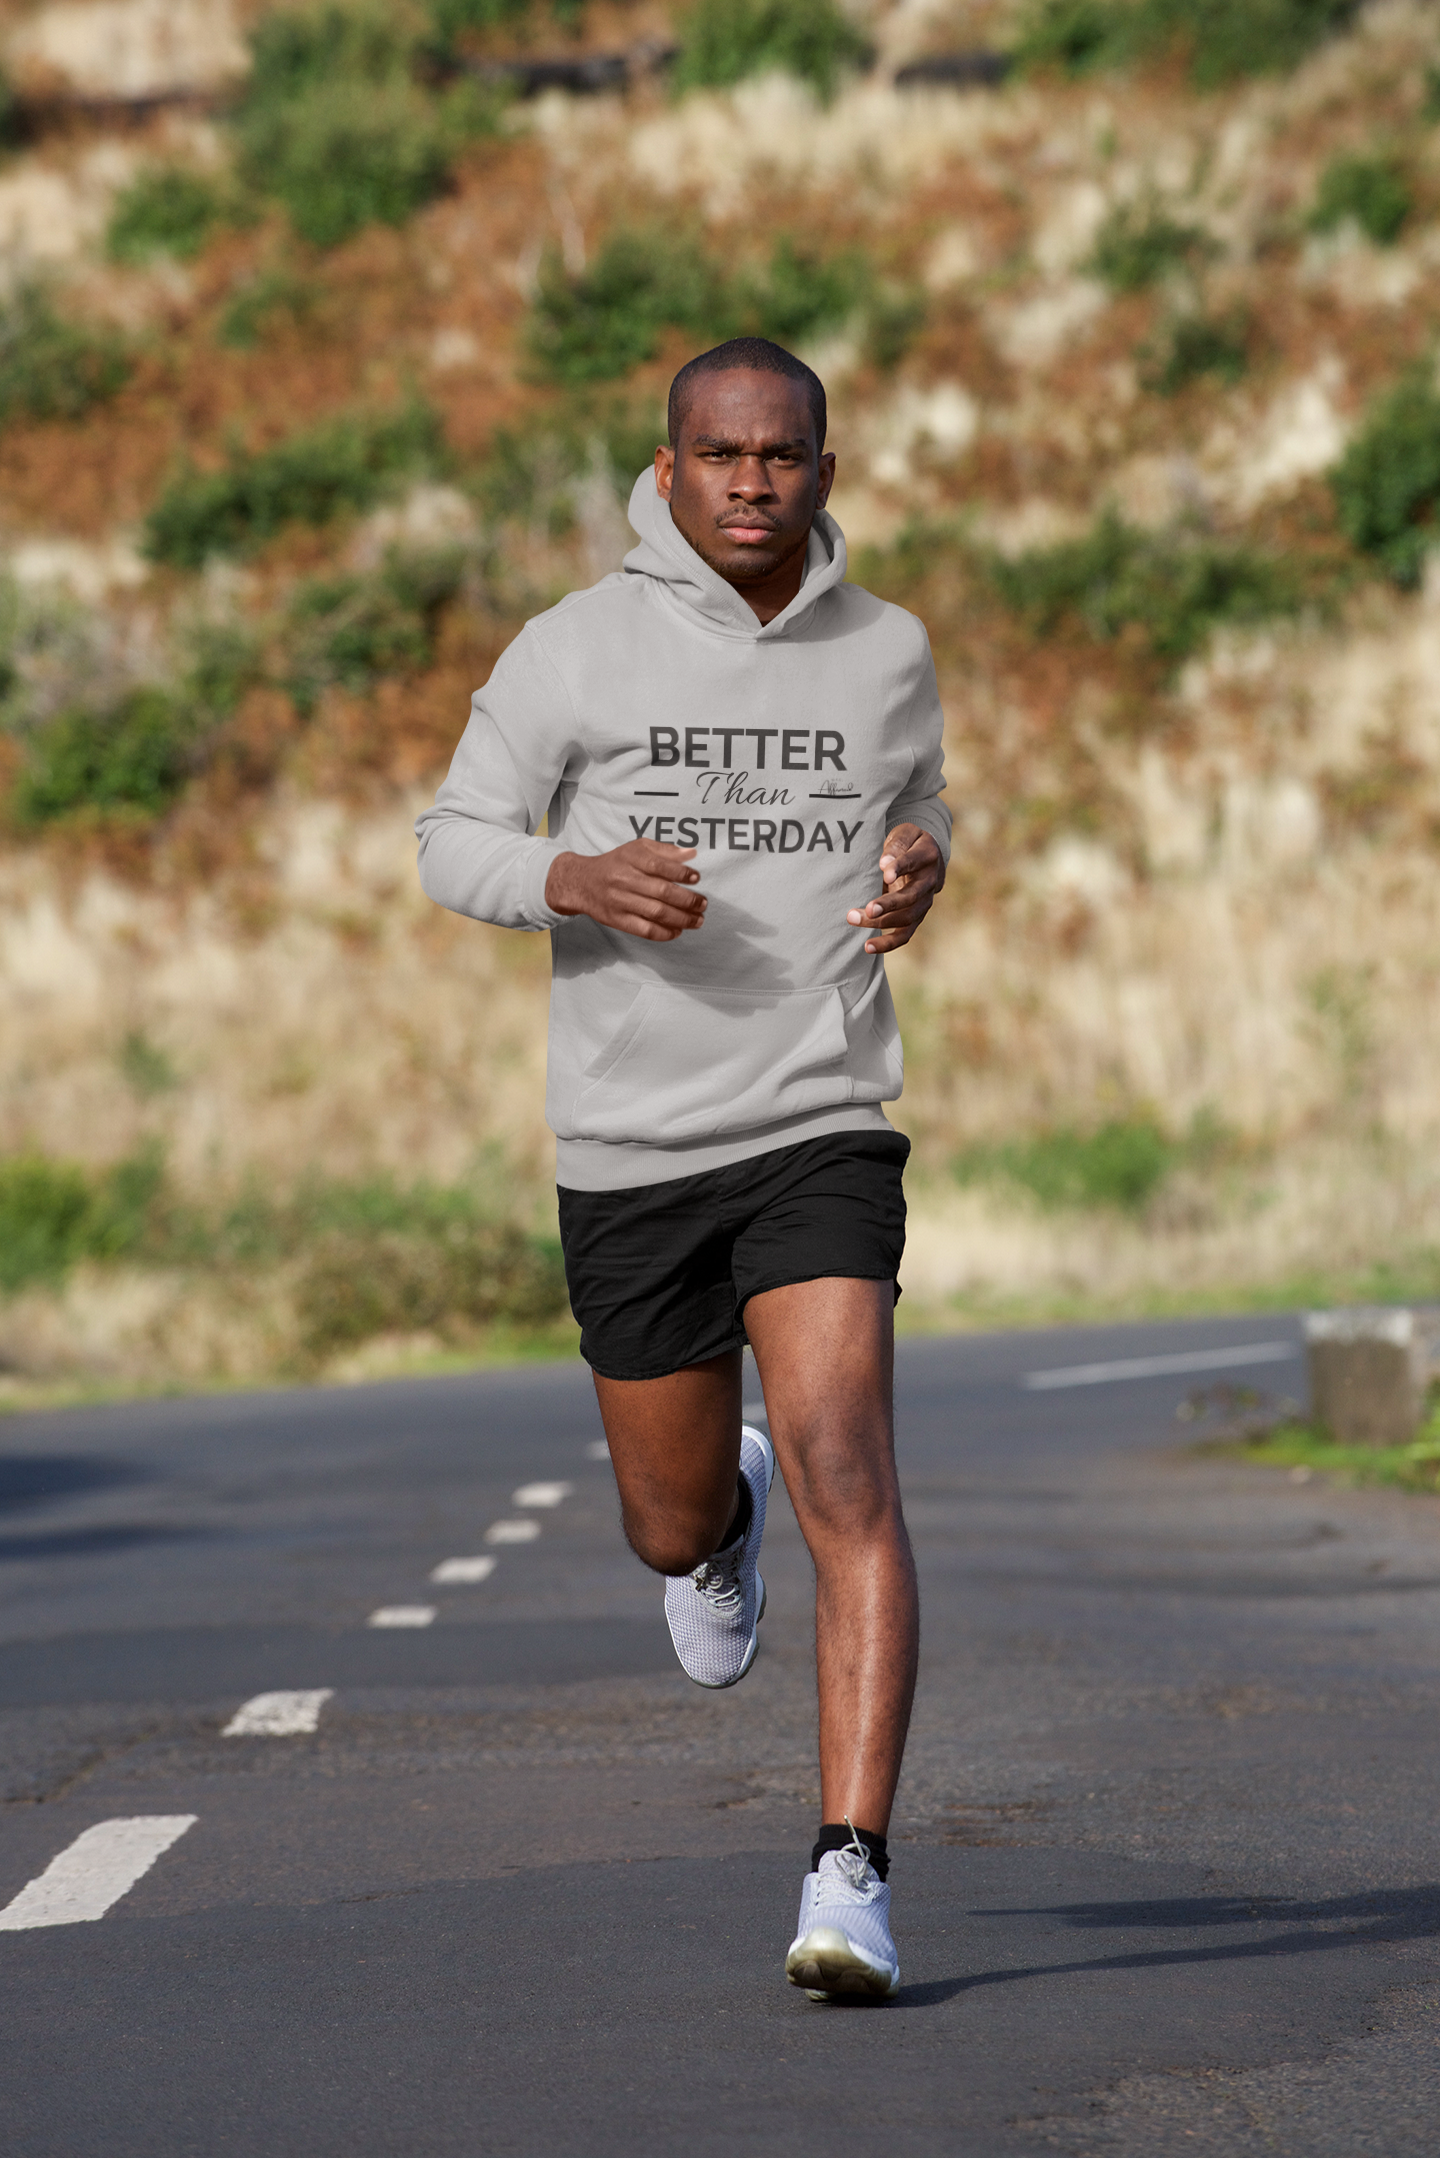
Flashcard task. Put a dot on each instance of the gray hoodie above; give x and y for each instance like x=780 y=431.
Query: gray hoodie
x=655 y=705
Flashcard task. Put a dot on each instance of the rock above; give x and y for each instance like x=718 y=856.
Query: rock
x=1368 y=1373
x=955 y=71
x=125 y=51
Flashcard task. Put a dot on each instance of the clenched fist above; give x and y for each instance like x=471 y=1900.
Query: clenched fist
x=644 y=888
x=912 y=870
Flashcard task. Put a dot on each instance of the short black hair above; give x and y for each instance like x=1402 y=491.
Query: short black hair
x=761 y=358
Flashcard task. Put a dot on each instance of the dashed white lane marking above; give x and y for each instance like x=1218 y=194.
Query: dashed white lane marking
x=403 y=1615
x=465 y=1569
x=1155 y=1367
x=512 y=1532
x=93 y=1872
x=597 y=1450
x=279 y=1715
x=541 y=1494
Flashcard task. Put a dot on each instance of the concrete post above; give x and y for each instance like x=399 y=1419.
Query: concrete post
x=1368 y=1374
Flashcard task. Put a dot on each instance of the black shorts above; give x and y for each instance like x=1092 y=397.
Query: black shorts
x=659 y=1273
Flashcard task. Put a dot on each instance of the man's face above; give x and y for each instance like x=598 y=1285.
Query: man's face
x=746 y=480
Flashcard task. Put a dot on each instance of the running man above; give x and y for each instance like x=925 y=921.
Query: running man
x=738 y=755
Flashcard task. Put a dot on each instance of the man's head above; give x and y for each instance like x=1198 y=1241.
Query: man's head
x=746 y=468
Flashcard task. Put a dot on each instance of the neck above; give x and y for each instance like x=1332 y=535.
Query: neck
x=768 y=596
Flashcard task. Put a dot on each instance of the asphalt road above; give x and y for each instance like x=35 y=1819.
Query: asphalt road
x=1165 y=1856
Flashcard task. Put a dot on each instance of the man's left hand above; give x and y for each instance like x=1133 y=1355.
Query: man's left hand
x=912 y=870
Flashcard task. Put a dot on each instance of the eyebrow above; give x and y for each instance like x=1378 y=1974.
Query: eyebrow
x=768 y=449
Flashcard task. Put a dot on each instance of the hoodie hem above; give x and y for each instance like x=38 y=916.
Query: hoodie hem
x=604 y=1165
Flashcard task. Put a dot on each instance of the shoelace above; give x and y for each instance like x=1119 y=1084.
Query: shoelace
x=718 y=1581
x=854 y=1863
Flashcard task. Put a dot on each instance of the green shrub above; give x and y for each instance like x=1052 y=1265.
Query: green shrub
x=348 y=463
x=365 y=1282
x=168 y=210
x=136 y=757
x=531 y=477
x=1198 y=345
x=1224 y=39
x=352 y=630
x=599 y=324
x=610 y=318
x=51 y=368
x=1173 y=588
x=1430 y=102
x=1387 y=484
x=220 y=660
x=1075 y=35
x=297 y=50
x=629 y=436
x=350 y=154
x=895 y=318
x=722 y=41
x=55 y=1213
x=44 y=1209
x=335 y=127
x=1120 y=1165
x=802 y=291
x=250 y=311
x=452 y=21
x=371 y=1255
x=1139 y=243
x=1373 y=191
x=145 y=1067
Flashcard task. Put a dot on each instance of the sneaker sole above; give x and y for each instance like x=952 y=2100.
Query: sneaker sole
x=827 y=1965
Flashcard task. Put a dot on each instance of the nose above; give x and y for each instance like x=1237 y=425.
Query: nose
x=751 y=479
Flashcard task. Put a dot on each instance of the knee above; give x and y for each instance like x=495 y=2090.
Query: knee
x=668 y=1547
x=848 y=1491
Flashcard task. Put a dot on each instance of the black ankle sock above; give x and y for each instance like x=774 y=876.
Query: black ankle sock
x=835 y=1835
x=744 y=1514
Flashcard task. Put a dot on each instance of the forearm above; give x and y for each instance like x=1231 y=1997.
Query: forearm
x=486 y=871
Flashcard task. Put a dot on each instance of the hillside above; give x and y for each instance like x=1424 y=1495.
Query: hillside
x=326 y=357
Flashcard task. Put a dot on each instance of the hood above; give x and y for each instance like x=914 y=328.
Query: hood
x=664 y=555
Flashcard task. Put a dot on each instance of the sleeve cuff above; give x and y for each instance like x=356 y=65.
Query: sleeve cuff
x=532 y=896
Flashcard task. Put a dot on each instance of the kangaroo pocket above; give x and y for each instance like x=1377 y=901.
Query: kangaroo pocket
x=690 y=1064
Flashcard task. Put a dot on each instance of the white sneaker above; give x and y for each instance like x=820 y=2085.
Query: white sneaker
x=713 y=1613
x=842 y=1944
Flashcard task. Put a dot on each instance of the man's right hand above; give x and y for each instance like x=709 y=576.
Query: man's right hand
x=643 y=888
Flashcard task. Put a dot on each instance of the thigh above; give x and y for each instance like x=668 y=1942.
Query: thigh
x=815 y=1267
x=675 y=1441
x=825 y=1352
x=649 y=1274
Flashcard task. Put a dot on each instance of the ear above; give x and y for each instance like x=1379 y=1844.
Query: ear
x=664 y=471
x=825 y=479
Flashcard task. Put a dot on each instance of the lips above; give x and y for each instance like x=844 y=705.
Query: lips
x=745 y=529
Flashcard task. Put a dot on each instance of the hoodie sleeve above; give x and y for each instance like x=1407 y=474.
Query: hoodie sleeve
x=479 y=854
x=916 y=713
